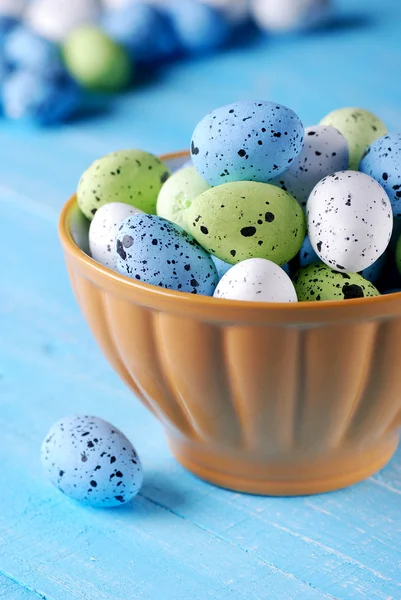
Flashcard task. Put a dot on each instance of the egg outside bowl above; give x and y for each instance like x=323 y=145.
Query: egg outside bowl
x=277 y=399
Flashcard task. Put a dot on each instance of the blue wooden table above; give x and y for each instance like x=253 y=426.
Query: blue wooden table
x=181 y=539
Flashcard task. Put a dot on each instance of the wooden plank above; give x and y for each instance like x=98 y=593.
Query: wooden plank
x=12 y=590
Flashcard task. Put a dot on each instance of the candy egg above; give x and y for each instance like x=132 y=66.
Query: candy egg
x=153 y=250
x=359 y=127
x=89 y=460
x=319 y=282
x=247 y=141
x=284 y=16
x=55 y=19
x=130 y=176
x=246 y=219
x=256 y=280
x=221 y=266
x=382 y=161
x=349 y=220
x=236 y=11
x=199 y=27
x=178 y=193
x=142 y=29
x=325 y=151
x=25 y=49
x=308 y=256
x=96 y=61
x=12 y=8
x=104 y=228
x=398 y=254
x=32 y=97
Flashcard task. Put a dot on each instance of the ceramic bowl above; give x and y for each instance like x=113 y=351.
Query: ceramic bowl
x=278 y=399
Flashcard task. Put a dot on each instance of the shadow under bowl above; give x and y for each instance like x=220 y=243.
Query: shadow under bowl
x=264 y=398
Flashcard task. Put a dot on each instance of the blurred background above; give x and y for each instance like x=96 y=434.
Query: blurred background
x=80 y=78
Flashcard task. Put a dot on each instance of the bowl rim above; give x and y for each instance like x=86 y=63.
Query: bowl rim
x=386 y=305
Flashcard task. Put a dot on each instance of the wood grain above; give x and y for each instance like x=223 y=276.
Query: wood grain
x=181 y=539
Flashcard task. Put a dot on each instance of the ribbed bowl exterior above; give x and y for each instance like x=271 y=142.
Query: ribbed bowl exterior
x=262 y=398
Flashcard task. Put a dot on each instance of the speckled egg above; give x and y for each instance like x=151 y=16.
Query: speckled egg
x=153 y=250
x=246 y=141
x=382 y=161
x=284 y=16
x=221 y=266
x=325 y=151
x=104 y=228
x=349 y=220
x=55 y=19
x=308 y=256
x=398 y=254
x=359 y=127
x=256 y=280
x=130 y=176
x=318 y=282
x=178 y=193
x=246 y=219
x=89 y=460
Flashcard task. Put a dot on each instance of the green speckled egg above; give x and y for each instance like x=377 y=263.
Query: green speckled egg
x=178 y=193
x=319 y=282
x=245 y=219
x=130 y=176
x=359 y=127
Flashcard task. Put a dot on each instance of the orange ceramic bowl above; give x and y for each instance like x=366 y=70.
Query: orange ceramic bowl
x=278 y=399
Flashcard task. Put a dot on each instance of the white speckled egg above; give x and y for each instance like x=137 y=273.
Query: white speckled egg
x=256 y=280
x=55 y=19
x=89 y=460
x=103 y=230
x=325 y=151
x=349 y=220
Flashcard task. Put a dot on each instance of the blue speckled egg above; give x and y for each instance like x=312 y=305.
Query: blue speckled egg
x=246 y=141
x=221 y=266
x=25 y=49
x=382 y=161
x=153 y=250
x=89 y=460
x=199 y=27
x=143 y=29
x=34 y=98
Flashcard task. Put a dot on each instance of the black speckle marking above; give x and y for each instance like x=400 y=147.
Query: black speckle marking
x=248 y=231
x=204 y=230
x=269 y=217
x=241 y=153
x=128 y=240
x=352 y=291
x=233 y=252
x=120 y=250
x=319 y=246
x=194 y=149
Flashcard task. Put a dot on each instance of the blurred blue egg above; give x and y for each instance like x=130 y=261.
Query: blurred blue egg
x=6 y=25
x=142 y=29
x=32 y=97
x=200 y=28
x=153 y=250
x=26 y=50
x=382 y=161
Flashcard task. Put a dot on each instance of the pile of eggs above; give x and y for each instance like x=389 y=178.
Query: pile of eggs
x=265 y=210
x=52 y=51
